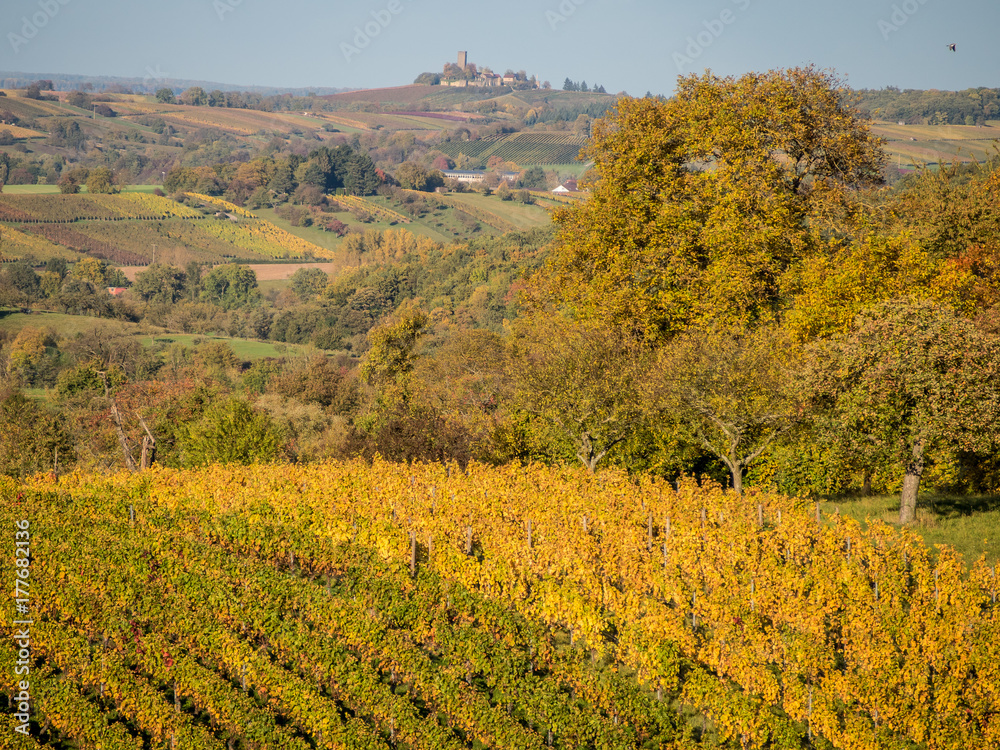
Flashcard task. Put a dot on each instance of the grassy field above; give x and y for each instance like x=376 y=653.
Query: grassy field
x=969 y=523
x=69 y=326
x=66 y=325
x=54 y=189
x=515 y=212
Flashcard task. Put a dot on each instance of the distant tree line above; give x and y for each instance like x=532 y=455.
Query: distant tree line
x=196 y=96
x=272 y=180
x=569 y=85
x=931 y=107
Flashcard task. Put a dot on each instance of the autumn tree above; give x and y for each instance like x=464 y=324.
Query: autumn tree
x=704 y=201
x=99 y=180
x=580 y=378
x=413 y=176
x=910 y=378
x=730 y=391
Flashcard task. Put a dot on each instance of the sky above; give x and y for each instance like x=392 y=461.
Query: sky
x=625 y=45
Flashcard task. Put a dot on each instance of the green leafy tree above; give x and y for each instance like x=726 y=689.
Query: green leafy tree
x=160 y=283
x=31 y=437
x=533 y=178
x=195 y=96
x=230 y=286
x=309 y=282
x=909 y=379
x=230 y=432
x=729 y=389
x=582 y=379
x=165 y=96
x=22 y=279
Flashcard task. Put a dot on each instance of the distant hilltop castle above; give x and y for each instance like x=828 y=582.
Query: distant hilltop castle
x=467 y=74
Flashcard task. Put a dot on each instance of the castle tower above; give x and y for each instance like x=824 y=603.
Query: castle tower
x=463 y=59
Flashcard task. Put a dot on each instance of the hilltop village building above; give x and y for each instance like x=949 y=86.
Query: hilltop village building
x=482 y=79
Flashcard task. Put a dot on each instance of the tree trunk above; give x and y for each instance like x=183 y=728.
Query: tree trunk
x=911 y=484
x=866 y=484
x=737 y=471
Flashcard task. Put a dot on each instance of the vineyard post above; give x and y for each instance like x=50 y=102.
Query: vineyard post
x=529 y=533
x=131 y=514
x=413 y=553
x=760 y=515
x=468 y=540
x=649 y=535
x=993 y=572
x=809 y=730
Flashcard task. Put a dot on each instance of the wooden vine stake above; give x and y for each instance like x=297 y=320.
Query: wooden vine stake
x=468 y=540
x=760 y=515
x=529 y=534
x=649 y=534
x=809 y=730
x=413 y=553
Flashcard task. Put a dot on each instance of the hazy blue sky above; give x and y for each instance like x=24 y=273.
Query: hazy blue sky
x=630 y=45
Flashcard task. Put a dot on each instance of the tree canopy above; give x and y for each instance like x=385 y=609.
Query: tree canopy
x=704 y=201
